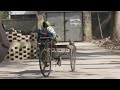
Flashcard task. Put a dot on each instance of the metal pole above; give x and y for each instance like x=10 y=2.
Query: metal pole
x=64 y=27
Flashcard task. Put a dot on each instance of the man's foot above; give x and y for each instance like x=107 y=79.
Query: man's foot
x=46 y=64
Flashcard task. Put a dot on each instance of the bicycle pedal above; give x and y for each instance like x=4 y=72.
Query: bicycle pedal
x=46 y=64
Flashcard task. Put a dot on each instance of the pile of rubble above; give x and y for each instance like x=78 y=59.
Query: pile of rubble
x=108 y=44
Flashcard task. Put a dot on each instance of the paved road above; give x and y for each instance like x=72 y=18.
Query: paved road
x=92 y=62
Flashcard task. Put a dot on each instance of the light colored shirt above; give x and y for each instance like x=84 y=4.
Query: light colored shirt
x=52 y=30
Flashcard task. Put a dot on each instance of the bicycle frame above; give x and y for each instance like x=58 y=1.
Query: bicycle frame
x=46 y=42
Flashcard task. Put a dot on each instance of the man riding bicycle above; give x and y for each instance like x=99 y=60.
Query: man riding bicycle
x=47 y=31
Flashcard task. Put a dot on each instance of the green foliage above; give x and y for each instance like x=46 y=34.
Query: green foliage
x=4 y=14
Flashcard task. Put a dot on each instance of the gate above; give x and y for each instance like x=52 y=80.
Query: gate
x=57 y=22
x=67 y=24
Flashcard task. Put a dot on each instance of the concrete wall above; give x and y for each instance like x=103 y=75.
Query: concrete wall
x=25 y=25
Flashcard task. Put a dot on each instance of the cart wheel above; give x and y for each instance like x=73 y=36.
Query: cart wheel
x=45 y=62
x=73 y=58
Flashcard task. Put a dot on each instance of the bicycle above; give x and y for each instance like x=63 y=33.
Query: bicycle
x=46 y=55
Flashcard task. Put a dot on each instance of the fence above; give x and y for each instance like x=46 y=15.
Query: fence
x=22 y=47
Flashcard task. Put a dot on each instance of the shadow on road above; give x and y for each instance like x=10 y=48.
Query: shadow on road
x=35 y=72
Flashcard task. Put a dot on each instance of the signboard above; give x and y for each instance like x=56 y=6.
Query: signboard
x=75 y=22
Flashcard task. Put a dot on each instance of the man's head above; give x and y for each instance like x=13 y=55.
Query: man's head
x=46 y=24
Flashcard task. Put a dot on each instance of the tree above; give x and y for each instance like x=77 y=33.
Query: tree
x=116 y=25
x=40 y=17
x=87 y=25
x=4 y=14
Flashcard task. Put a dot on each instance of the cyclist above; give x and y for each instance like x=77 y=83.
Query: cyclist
x=48 y=31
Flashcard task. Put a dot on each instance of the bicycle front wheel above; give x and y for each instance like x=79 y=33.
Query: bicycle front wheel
x=45 y=62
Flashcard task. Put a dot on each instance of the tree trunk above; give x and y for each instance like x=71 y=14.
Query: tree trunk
x=40 y=17
x=87 y=25
x=116 y=29
x=112 y=26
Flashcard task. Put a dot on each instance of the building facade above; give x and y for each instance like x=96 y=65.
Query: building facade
x=22 y=14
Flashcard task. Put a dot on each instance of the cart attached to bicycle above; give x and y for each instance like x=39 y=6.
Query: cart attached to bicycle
x=46 y=54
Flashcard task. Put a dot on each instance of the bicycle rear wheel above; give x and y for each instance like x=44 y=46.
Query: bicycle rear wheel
x=45 y=62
